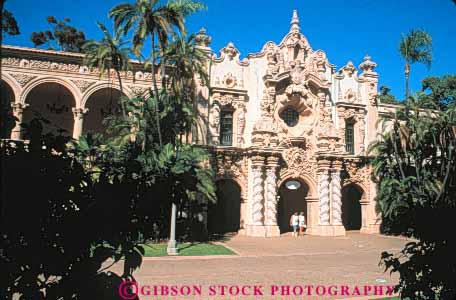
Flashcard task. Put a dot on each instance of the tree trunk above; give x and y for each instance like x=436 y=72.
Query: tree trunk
x=407 y=74
x=121 y=91
x=156 y=93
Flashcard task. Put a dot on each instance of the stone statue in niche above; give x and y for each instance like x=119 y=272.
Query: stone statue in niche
x=214 y=123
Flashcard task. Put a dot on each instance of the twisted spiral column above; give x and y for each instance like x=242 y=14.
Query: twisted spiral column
x=271 y=192
x=336 y=198
x=323 y=184
x=257 y=203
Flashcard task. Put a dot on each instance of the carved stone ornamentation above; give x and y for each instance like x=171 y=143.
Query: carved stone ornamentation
x=229 y=80
x=241 y=123
x=336 y=197
x=22 y=79
x=349 y=69
x=83 y=85
x=271 y=192
x=138 y=90
x=214 y=123
x=367 y=65
x=202 y=39
x=230 y=51
x=323 y=185
x=350 y=95
x=299 y=162
x=257 y=201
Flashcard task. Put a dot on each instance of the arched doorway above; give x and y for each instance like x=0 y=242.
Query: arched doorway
x=7 y=97
x=292 y=198
x=225 y=215
x=53 y=102
x=101 y=104
x=351 y=207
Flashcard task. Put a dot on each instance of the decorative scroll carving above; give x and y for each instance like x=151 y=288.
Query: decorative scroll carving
x=83 y=85
x=299 y=162
x=336 y=197
x=10 y=61
x=22 y=79
x=349 y=69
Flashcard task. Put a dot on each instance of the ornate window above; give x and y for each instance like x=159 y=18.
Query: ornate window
x=350 y=137
x=226 y=128
x=290 y=116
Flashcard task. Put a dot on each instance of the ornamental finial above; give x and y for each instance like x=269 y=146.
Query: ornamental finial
x=295 y=21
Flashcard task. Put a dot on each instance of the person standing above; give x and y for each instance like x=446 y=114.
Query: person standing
x=302 y=223
x=294 y=223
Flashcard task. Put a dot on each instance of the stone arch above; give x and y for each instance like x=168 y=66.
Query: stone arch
x=104 y=85
x=353 y=206
x=291 y=201
x=13 y=85
x=225 y=215
x=43 y=80
x=97 y=99
x=303 y=178
x=53 y=99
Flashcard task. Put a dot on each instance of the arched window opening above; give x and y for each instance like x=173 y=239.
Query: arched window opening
x=290 y=116
x=226 y=128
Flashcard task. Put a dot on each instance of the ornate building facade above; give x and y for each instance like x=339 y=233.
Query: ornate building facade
x=287 y=130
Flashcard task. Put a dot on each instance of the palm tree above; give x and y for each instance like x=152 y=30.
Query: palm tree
x=150 y=19
x=415 y=47
x=108 y=53
x=187 y=65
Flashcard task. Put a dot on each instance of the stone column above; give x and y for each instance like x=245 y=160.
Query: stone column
x=323 y=189
x=270 y=196
x=257 y=226
x=18 y=111
x=78 y=114
x=336 y=200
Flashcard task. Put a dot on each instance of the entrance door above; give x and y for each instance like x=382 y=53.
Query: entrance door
x=292 y=199
x=351 y=207
x=225 y=215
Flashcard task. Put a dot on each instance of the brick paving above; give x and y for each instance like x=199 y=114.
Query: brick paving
x=351 y=260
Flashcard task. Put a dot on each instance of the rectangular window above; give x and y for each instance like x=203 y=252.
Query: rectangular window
x=226 y=128
x=349 y=138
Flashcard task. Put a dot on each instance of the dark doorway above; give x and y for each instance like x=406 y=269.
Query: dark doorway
x=225 y=215
x=291 y=201
x=53 y=102
x=7 y=98
x=351 y=207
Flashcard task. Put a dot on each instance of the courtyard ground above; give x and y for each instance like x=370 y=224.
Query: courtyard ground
x=351 y=261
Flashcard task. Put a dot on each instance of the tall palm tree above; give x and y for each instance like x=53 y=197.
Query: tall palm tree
x=415 y=47
x=108 y=53
x=150 y=19
x=187 y=65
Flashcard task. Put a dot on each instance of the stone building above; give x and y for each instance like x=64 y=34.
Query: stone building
x=287 y=130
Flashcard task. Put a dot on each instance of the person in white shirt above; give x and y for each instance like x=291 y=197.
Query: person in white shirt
x=302 y=223
x=294 y=222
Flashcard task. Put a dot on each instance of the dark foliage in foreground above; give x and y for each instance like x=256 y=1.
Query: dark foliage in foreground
x=415 y=167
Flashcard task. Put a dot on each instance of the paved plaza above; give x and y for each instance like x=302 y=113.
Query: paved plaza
x=283 y=261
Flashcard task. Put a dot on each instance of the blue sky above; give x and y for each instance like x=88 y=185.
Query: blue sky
x=345 y=30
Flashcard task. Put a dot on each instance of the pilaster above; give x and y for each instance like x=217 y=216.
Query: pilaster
x=270 y=196
x=256 y=228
